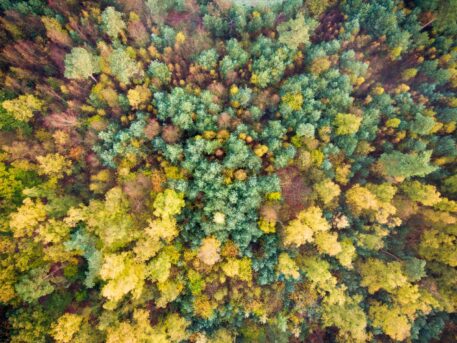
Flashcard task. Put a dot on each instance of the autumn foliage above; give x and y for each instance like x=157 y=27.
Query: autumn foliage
x=221 y=171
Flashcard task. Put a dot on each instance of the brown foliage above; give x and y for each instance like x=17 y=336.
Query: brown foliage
x=137 y=190
x=65 y=120
x=171 y=134
x=25 y=54
x=294 y=192
x=152 y=129
x=138 y=33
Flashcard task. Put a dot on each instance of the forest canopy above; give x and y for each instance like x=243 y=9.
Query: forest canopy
x=228 y=171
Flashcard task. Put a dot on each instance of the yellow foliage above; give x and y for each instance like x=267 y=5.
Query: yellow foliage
x=267 y=226
x=319 y=65
x=425 y=194
x=349 y=318
x=260 y=150
x=28 y=216
x=219 y=218
x=362 y=201
x=137 y=332
x=163 y=228
x=287 y=266
x=317 y=157
x=342 y=173
x=391 y=321
x=347 y=253
x=175 y=327
x=123 y=275
x=327 y=191
x=377 y=275
x=22 y=108
x=327 y=243
x=146 y=247
x=411 y=300
x=203 y=307
x=393 y=122
x=168 y=203
x=318 y=272
x=159 y=268
x=385 y=192
x=238 y=268
x=110 y=96
x=293 y=100
x=53 y=231
x=300 y=231
x=180 y=37
x=273 y=196
x=234 y=90
x=53 y=165
x=347 y=124
x=169 y=291
x=222 y=335
x=138 y=96
x=66 y=327
x=396 y=52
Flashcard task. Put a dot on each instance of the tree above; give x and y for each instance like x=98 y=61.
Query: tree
x=168 y=203
x=34 y=285
x=160 y=71
x=209 y=251
x=348 y=317
x=287 y=266
x=159 y=8
x=25 y=220
x=425 y=194
x=23 y=107
x=300 y=231
x=238 y=268
x=391 y=321
x=123 y=275
x=398 y=164
x=446 y=16
x=53 y=165
x=208 y=59
x=296 y=31
x=138 y=96
x=347 y=124
x=55 y=32
x=123 y=66
x=317 y=7
x=66 y=327
x=81 y=64
x=327 y=243
x=438 y=245
x=112 y=22
x=377 y=275
x=319 y=65
x=327 y=191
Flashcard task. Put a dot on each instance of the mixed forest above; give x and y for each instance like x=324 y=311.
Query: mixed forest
x=224 y=171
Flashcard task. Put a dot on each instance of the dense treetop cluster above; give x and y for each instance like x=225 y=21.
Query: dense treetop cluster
x=217 y=171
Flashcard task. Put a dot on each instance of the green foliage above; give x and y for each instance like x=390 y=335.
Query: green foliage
x=208 y=59
x=406 y=165
x=112 y=22
x=34 y=285
x=220 y=171
x=235 y=57
x=159 y=70
x=296 y=31
x=122 y=65
x=81 y=64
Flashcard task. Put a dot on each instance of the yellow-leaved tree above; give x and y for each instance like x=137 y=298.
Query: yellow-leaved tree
x=300 y=230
